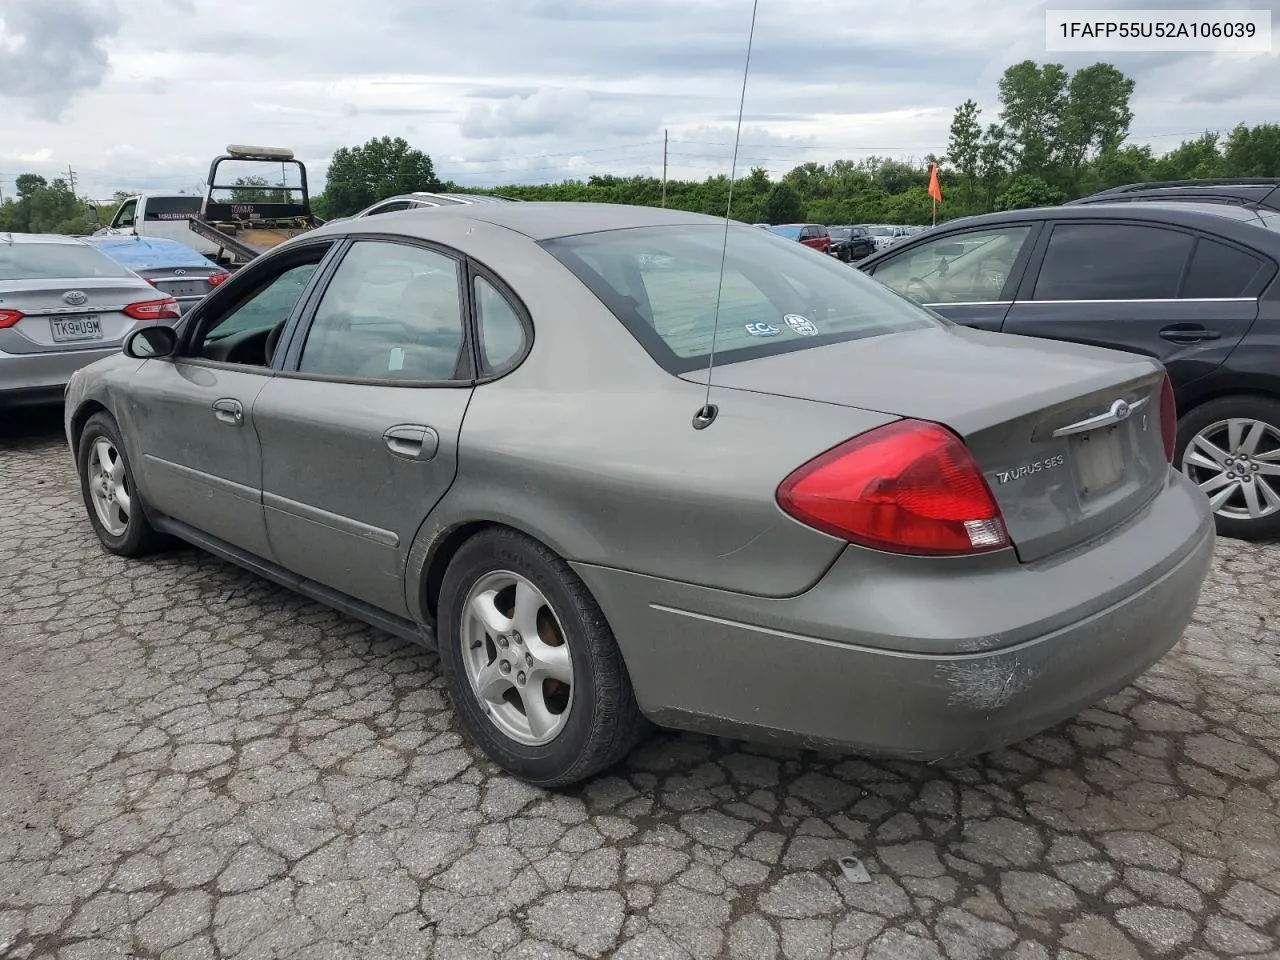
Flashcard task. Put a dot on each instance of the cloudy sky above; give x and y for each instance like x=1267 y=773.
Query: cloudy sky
x=141 y=94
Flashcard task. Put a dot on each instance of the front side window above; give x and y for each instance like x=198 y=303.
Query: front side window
x=126 y=213
x=392 y=311
x=241 y=335
x=964 y=268
x=1112 y=261
x=661 y=282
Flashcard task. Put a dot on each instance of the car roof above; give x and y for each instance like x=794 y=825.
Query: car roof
x=6 y=237
x=543 y=220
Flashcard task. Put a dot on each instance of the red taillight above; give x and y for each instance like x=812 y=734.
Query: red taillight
x=217 y=279
x=9 y=318
x=908 y=487
x=166 y=309
x=1168 y=419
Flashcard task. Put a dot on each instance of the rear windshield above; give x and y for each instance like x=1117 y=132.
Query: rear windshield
x=661 y=283
x=171 y=208
x=56 y=261
x=791 y=233
x=841 y=233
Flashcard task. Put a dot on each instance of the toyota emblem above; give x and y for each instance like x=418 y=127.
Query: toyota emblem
x=75 y=297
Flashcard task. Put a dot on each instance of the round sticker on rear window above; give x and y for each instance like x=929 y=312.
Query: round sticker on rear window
x=801 y=325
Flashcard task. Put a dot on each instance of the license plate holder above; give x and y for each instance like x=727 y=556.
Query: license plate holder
x=1099 y=460
x=73 y=329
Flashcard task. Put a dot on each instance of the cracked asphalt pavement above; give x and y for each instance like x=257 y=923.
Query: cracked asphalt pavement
x=197 y=764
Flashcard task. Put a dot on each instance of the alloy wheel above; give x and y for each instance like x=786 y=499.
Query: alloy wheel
x=1236 y=462
x=516 y=658
x=109 y=487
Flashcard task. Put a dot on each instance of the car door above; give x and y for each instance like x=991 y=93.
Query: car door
x=1181 y=297
x=192 y=414
x=360 y=429
x=968 y=276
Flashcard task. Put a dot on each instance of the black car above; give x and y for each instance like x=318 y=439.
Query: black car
x=1261 y=192
x=1191 y=284
x=851 y=243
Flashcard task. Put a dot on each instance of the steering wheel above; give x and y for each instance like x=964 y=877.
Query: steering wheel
x=918 y=283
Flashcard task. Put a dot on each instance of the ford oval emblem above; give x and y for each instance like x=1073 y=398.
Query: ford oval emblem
x=1120 y=410
x=75 y=297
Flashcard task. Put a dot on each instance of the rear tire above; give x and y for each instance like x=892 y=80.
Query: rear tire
x=111 y=498
x=508 y=609
x=1225 y=441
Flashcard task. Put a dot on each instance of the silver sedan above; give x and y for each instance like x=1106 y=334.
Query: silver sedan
x=488 y=430
x=64 y=304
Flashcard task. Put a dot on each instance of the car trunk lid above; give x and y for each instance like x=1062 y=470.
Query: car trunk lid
x=71 y=314
x=1064 y=462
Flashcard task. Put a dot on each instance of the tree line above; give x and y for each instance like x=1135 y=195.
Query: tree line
x=1056 y=135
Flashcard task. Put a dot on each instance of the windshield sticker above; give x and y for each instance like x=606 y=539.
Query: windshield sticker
x=762 y=330
x=801 y=325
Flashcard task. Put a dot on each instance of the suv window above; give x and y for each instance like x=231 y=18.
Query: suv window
x=1220 y=271
x=1112 y=261
x=958 y=268
x=392 y=311
x=393 y=207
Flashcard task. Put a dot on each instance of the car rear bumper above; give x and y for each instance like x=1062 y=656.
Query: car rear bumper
x=896 y=656
x=30 y=378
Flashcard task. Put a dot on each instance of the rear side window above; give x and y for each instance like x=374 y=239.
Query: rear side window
x=1112 y=261
x=171 y=208
x=57 y=261
x=661 y=282
x=1220 y=271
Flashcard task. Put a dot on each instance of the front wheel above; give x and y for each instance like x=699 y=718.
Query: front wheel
x=532 y=666
x=1230 y=447
x=110 y=496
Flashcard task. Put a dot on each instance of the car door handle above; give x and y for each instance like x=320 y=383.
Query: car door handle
x=229 y=411
x=1188 y=333
x=411 y=441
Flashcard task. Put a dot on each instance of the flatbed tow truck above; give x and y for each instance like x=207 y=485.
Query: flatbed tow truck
x=240 y=228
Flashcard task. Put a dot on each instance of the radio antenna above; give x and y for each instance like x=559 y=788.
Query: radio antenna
x=706 y=415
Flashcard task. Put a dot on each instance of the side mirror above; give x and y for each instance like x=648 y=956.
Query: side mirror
x=91 y=214
x=149 y=343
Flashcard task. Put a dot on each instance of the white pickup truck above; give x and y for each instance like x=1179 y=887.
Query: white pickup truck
x=164 y=215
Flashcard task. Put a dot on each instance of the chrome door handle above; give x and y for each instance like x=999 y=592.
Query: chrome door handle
x=412 y=441
x=1189 y=334
x=229 y=411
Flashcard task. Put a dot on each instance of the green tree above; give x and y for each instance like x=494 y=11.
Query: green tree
x=1033 y=100
x=281 y=195
x=782 y=205
x=1096 y=115
x=1028 y=190
x=381 y=168
x=1253 y=152
x=964 y=145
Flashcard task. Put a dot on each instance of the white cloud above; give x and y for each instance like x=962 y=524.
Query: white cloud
x=143 y=93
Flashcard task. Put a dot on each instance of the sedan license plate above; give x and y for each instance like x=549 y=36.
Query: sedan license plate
x=1099 y=460
x=181 y=289
x=66 y=329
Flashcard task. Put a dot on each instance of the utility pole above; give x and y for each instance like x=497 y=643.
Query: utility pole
x=664 y=168
x=71 y=174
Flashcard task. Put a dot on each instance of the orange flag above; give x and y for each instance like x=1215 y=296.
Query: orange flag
x=935 y=189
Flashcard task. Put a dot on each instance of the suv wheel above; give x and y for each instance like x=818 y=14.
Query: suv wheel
x=1230 y=447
